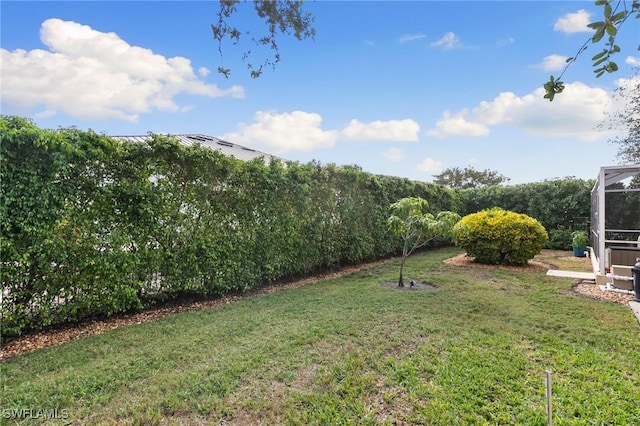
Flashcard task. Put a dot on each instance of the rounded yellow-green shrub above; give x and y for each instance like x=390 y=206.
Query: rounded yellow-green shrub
x=500 y=237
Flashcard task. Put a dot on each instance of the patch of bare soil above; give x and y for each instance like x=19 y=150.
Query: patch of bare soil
x=58 y=335
x=409 y=285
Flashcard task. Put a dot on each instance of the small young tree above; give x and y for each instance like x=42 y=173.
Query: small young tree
x=410 y=221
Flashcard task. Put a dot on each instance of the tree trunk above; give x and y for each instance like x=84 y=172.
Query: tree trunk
x=401 y=281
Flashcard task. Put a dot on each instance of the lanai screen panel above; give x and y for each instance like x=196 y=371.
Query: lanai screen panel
x=615 y=210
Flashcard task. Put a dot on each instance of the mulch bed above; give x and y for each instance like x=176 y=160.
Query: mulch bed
x=464 y=260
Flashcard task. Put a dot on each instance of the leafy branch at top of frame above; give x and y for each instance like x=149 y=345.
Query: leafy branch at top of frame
x=280 y=16
x=613 y=19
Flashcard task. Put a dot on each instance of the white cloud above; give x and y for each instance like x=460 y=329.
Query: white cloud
x=447 y=42
x=393 y=154
x=575 y=113
x=458 y=125
x=94 y=75
x=203 y=71
x=391 y=130
x=302 y=131
x=633 y=61
x=574 y=22
x=280 y=133
x=553 y=62
x=429 y=165
x=505 y=42
x=45 y=114
x=405 y=38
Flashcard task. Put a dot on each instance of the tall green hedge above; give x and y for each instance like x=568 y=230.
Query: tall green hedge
x=560 y=205
x=91 y=226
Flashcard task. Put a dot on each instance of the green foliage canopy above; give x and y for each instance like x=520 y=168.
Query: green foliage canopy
x=411 y=221
x=469 y=178
x=497 y=236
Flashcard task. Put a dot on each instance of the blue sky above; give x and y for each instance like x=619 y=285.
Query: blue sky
x=398 y=88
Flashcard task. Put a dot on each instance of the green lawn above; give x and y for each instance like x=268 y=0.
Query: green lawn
x=349 y=351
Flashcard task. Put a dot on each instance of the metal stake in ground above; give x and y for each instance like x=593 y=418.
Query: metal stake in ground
x=548 y=384
x=636 y=280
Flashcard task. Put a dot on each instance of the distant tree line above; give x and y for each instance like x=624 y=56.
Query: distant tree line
x=455 y=177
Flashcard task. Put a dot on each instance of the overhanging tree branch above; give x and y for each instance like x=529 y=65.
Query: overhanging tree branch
x=281 y=17
x=615 y=14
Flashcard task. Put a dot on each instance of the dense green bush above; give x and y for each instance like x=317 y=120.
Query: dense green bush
x=91 y=226
x=497 y=236
x=560 y=239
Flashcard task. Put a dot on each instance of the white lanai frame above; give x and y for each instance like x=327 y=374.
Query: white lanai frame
x=608 y=176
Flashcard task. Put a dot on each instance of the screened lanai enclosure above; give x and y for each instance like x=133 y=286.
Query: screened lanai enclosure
x=615 y=218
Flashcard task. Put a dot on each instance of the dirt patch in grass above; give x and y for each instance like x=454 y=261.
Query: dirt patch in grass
x=304 y=378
